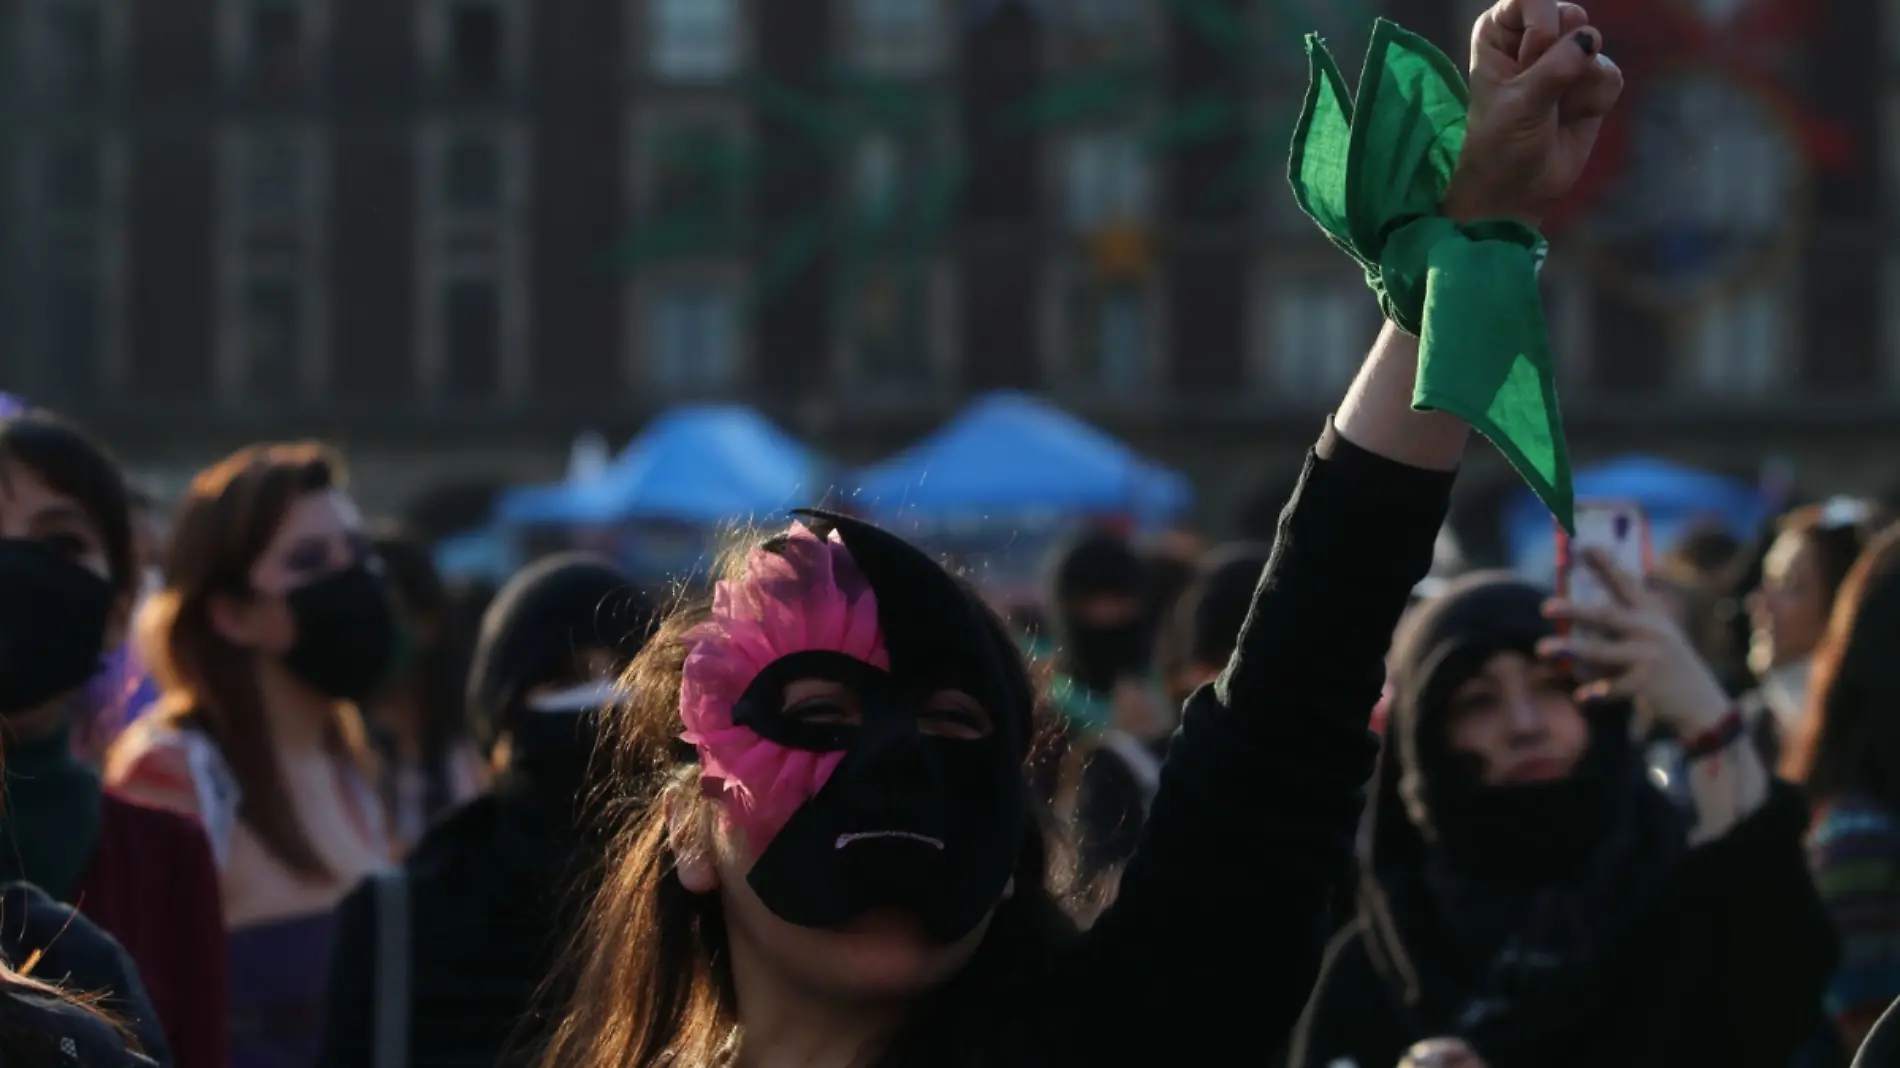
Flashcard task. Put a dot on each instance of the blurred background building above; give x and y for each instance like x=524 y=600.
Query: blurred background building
x=451 y=233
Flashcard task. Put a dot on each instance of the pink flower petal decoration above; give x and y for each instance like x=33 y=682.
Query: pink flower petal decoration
x=809 y=595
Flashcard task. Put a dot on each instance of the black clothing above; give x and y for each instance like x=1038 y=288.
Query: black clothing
x=81 y=959
x=40 y=1031
x=1563 y=923
x=488 y=905
x=1117 y=785
x=1223 y=910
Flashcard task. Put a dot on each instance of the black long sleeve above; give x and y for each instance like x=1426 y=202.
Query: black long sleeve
x=1223 y=911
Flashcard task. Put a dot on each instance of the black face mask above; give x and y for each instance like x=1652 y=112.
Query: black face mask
x=53 y=616
x=931 y=825
x=551 y=741
x=908 y=819
x=346 y=633
x=1100 y=656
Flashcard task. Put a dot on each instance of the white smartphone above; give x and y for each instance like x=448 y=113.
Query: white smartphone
x=1620 y=530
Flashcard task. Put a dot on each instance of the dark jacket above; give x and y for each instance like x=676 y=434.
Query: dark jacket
x=1216 y=936
x=1636 y=949
x=79 y=958
x=487 y=893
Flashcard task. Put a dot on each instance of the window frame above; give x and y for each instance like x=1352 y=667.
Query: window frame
x=868 y=57
x=639 y=365
x=940 y=331
x=307 y=271
x=35 y=49
x=443 y=257
x=1267 y=375
x=644 y=38
x=103 y=230
x=235 y=47
x=434 y=39
x=1062 y=287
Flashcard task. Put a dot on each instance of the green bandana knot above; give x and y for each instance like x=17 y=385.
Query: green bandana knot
x=1372 y=175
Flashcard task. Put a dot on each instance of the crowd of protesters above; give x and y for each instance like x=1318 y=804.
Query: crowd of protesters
x=275 y=799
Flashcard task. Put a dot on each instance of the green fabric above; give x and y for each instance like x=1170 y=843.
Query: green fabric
x=1372 y=174
x=53 y=807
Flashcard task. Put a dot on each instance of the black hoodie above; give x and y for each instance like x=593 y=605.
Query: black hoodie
x=1559 y=924
x=489 y=885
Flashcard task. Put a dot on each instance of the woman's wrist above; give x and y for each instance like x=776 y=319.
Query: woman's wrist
x=1466 y=202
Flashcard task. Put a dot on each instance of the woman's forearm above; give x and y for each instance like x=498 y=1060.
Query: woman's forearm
x=1377 y=413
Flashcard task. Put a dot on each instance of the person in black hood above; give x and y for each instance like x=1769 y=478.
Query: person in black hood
x=1106 y=604
x=483 y=898
x=1526 y=890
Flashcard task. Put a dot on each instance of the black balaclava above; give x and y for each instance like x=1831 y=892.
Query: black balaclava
x=1102 y=564
x=530 y=634
x=1520 y=833
x=346 y=633
x=910 y=820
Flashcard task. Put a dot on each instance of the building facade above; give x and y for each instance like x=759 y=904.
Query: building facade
x=452 y=232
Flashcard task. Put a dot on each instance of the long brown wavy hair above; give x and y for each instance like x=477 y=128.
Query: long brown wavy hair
x=225 y=522
x=1849 y=738
x=651 y=984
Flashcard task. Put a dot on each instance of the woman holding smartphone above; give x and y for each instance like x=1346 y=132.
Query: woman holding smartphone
x=1530 y=894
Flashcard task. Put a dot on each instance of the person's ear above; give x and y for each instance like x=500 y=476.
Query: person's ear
x=236 y=619
x=691 y=843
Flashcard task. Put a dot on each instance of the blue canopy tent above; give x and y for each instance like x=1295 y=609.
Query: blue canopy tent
x=701 y=464
x=1009 y=457
x=1674 y=497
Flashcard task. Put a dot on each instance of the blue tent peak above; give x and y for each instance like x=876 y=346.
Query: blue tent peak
x=1009 y=454
x=696 y=464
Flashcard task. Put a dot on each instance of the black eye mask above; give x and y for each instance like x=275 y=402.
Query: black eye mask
x=908 y=817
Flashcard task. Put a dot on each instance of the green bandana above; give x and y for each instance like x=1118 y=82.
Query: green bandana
x=1372 y=174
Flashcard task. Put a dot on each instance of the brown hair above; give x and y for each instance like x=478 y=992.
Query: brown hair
x=1849 y=739
x=651 y=983
x=226 y=521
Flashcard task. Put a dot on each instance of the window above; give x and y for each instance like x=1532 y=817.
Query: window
x=472 y=326
x=271 y=324
x=274 y=174
x=692 y=337
x=475 y=46
x=693 y=40
x=1314 y=338
x=472 y=178
x=272 y=263
x=72 y=230
x=694 y=172
x=1107 y=180
x=1737 y=347
x=275 y=30
x=72 y=49
x=896 y=38
x=1109 y=345
x=74 y=182
x=474 y=245
x=886 y=329
x=1097 y=31
x=74 y=349
x=892 y=177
